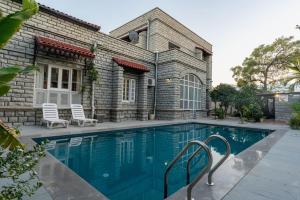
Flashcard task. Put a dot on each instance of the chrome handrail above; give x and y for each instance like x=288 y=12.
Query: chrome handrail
x=203 y=172
x=179 y=155
x=228 y=151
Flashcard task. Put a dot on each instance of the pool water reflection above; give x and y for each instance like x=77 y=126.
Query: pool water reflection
x=129 y=164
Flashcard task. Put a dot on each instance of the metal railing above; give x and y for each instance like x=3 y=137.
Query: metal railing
x=207 y=169
x=212 y=170
x=179 y=155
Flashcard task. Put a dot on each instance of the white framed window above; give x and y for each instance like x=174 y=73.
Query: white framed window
x=190 y=92
x=57 y=84
x=126 y=151
x=129 y=89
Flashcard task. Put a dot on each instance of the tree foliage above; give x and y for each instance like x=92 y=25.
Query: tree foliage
x=16 y=163
x=223 y=93
x=294 y=122
x=9 y=25
x=17 y=168
x=293 y=78
x=247 y=103
x=267 y=64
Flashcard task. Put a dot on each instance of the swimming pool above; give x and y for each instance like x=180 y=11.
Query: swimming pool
x=130 y=164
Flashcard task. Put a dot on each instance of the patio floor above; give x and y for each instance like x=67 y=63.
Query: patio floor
x=275 y=175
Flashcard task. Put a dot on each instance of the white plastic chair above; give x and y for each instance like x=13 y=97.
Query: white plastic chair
x=79 y=117
x=75 y=142
x=50 y=116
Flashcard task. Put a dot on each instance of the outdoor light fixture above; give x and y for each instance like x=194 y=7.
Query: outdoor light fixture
x=168 y=80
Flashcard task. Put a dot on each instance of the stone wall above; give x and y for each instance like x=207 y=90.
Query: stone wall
x=283 y=102
x=173 y=65
x=155 y=15
x=17 y=107
x=20 y=51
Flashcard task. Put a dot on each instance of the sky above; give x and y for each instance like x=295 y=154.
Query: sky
x=233 y=27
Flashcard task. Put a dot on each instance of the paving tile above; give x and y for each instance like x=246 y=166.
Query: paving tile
x=276 y=177
x=252 y=187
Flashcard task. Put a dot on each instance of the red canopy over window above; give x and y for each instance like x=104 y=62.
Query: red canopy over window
x=129 y=64
x=59 y=45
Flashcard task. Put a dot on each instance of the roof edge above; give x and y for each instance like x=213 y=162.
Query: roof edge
x=64 y=16
x=159 y=9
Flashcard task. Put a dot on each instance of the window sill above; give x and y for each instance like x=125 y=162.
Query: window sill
x=129 y=102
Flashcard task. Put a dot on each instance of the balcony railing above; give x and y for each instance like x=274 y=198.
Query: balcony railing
x=62 y=98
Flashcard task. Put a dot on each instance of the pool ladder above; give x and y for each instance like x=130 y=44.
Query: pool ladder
x=208 y=168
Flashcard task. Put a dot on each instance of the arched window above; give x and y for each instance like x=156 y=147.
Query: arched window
x=190 y=92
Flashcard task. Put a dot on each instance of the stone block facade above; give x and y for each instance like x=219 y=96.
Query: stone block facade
x=283 y=103
x=19 y=106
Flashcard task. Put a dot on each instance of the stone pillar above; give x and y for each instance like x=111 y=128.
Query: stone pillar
x=209 y=69
x=142 y=97
x=117 y=89
x=208 y=80
x=199 y=53
x=142 y=40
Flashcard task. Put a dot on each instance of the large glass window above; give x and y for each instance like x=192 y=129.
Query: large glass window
x=54 y=77
x=53 y=85
x=65 y=79
x=190 y=92
x=129 y=86
x=76 y=80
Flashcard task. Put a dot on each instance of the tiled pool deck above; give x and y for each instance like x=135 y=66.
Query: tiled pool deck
x=267 y=170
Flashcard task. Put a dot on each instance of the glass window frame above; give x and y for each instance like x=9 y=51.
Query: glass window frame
x=48 y=90
x=129 y=90
x=191 y=89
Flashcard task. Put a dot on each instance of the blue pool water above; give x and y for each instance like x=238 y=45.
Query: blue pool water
x=129 y=164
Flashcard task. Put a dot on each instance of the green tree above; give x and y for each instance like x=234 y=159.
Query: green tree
x=267 y=64
x=294 y=122
x=223 y=93
x=9 y=25
x=293 y=78
x=214 y=97
x=17 y=164
x=247 y=103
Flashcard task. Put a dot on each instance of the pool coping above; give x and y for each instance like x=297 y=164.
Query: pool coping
x=66 y=184
x=234 y=169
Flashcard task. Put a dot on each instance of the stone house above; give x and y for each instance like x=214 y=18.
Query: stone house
x=165 y=70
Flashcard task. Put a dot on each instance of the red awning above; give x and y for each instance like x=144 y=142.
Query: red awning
x=43 y=41
x=129 y=64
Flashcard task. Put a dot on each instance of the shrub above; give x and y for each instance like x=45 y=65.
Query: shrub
x=253 y=111
x=247 y=103
x=224 y=94
x=18 y=170
x=17 y=164
x=220 y=113
x=294 y=122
